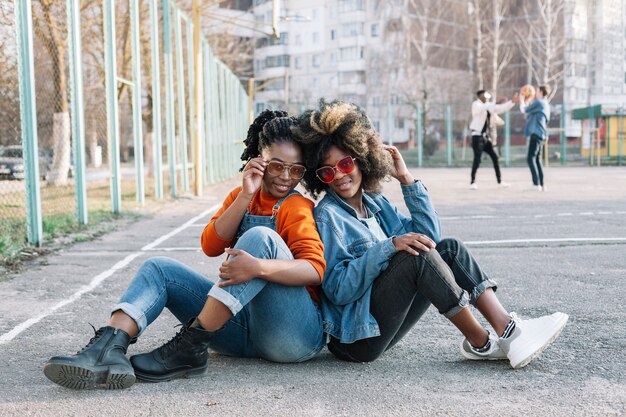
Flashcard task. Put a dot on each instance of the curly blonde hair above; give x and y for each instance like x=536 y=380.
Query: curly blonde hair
x=346 y=126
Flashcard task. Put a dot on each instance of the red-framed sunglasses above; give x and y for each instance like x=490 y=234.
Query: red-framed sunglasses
x=276 y=168
x=327 y=174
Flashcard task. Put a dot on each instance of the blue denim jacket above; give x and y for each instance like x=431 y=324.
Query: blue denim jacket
x=537 y=118
x=354 y=257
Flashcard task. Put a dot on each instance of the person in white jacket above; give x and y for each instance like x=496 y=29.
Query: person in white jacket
x=484 y=117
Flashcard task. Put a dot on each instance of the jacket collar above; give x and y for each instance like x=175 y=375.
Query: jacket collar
x=368 y=201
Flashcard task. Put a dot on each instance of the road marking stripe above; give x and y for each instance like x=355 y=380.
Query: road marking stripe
x=98 y=279
x=181 y=228
x=556 y=240
x=536 y=216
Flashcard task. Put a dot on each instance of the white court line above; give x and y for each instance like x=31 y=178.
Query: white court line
x=536 y=216
x=98 y=279
x=181 y=228
x=556 y=240
x=176 y=249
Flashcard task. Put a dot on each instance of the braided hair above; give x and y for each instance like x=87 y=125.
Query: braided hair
x=346 y=126
x=271 y=126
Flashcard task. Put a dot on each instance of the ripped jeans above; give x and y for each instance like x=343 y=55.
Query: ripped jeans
x=448 y=277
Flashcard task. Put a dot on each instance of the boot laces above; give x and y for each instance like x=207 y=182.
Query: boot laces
x=174 y=342
x=97 y=335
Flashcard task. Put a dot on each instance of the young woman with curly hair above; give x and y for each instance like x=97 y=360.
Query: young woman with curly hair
x=383 y=269
x=265 y=304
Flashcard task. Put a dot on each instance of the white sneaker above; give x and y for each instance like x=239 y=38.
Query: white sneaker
x=504 y=185
x=530 y=337
x=473 y=186
x=538 y=187
x=494 y=353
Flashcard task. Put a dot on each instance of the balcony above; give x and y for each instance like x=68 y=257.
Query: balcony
x=352 y=65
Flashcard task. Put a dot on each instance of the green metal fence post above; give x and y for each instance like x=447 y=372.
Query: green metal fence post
x=182 y=112
x=389 y=124
x=222 y=123
x=507 y=139
x=449 y=132
x=77 y=108
x=563 y=135
x=156 y=102
x=112 y=104
x=419 y=121
x=137 y=122
x=28 y=113
x=191 y=94
x=208 y=109
x=169 y=95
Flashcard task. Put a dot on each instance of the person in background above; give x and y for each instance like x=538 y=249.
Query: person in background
x=536 y=130
x=484 y=119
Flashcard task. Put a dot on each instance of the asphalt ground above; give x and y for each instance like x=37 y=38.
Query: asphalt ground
x=559 y=250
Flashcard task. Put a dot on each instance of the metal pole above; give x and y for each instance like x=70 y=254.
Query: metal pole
x=112 y=104
x=28 y=113
x=156 y=102
x=137 y=123
x=563 y=136
x=78 y=123
x=420 y=134
x=169 y=95
x=389 y=124
x=197 y=110
x=251 y=100
x=449 y=132
x=182 y=114
x=208 y=136
x=620 y=139
x=507 y=139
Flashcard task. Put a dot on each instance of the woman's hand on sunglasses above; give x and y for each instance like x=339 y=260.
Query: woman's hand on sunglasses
x=399 y=171
x=409 y=242
x=253 y=176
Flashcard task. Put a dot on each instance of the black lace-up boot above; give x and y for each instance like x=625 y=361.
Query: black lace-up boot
x=182 y=357
x=100 y=364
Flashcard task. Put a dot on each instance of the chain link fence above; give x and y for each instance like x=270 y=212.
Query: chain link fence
x=156 y=156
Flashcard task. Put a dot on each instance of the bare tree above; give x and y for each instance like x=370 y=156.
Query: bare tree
x=542 y=42
x=431 y=45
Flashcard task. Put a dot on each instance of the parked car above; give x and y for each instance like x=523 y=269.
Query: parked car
x=12 y=163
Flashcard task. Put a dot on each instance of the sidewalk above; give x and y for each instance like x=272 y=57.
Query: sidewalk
x=557 y=250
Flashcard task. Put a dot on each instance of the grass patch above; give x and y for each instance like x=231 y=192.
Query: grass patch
x=59 y=230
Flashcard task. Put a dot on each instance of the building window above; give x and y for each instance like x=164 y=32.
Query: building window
x=351 y=5
x=399 y=123
x=316 y=37
x=351 y=53
x=317 y=61
x=374 y=30
x=349 y=30
x=298 y=40
x=297 y=62
x=332 y=35
x=277 y=61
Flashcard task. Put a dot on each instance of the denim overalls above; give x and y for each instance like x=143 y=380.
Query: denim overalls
x=271 y=321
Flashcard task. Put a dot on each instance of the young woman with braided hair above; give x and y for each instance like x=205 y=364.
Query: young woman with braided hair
x=384 y=269
x=265 y=304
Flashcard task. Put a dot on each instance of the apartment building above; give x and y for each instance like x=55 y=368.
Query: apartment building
x=367 y=52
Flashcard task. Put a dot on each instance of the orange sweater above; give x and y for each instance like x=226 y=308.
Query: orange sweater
x=294 y=223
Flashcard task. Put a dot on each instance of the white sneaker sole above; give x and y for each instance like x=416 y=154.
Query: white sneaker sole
x=537 y=348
